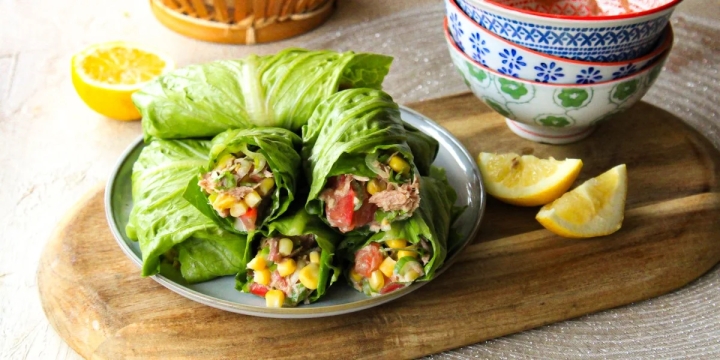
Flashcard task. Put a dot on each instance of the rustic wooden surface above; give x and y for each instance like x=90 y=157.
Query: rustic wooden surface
x=515 y=276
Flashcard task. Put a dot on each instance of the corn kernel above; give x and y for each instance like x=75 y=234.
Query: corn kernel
x=223 y=201
x=377 y=280
x=257 y=263
x=403 y=253
x=274 y=298
x=387 y=266
x=212 y=197
x=375 y=185
x=309 y=276
x=266 y=185
x=286 y=267
x=285 y=246
x=396 y=244
x=399 y=164
x=238 y=209
x=315 y=257
x=262 y=277
x=411 y=275
x=224 y=161
x=355 y=276
x=252 y=199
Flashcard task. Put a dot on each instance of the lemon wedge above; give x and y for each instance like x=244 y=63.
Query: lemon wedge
x=526 y=180
x=106 y=75
x=595 y=208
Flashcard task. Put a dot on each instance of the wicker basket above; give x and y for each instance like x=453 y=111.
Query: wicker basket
x=242 y=21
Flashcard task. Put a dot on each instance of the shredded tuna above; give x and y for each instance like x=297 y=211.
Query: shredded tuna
x=405 y=197
x=280 y=283
x=428 y=251
x=383 y=170
x=206 y=183
x=274 y=255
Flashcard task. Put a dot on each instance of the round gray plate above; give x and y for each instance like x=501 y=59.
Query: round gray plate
x=220 y=293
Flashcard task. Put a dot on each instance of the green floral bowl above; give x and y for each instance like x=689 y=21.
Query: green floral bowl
x=552 y=113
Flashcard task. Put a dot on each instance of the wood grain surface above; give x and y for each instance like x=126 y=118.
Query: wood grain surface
x=515 y=276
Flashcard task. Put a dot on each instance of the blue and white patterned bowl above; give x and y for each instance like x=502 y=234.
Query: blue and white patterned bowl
x=508 y=58
x=552 y=113
x=600 y=39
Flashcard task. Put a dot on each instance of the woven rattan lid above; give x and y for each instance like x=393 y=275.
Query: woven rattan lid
x=242 y=21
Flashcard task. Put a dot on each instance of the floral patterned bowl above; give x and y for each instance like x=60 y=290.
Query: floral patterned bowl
x=552 y=113
x=587 y=30
x=509 y=58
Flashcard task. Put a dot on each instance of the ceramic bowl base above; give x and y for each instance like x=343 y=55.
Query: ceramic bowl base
x=549 y=135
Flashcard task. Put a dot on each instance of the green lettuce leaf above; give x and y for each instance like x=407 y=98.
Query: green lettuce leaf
x=206 y=256
x=424 y=148
x=345 y=134
x=276 y=145
x=161 y=218
x=431 y=221
x=280 y=90
x=299 y=222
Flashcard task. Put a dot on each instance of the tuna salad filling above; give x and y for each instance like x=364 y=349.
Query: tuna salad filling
x=353 y=202
x=383 y=267
x=285 y=271
x=238 y=187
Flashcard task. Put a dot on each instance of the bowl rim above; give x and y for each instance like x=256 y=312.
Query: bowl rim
x=451 y=41
x=667 y=34
x=534 y=14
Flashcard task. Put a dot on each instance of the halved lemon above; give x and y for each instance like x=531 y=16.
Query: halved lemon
x=106 y=75
x=595 y=208
x=527 y=180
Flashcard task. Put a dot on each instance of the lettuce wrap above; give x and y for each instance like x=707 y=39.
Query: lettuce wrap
x=249 y=179
x=358 y=162
x=411 y=250
x=294 y=262
x=168 y=227
x=280 y=90
x=423 y=147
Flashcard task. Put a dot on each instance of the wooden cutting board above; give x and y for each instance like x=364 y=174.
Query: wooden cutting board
x=515 y=276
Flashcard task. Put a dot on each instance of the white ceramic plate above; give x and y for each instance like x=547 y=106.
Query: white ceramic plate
x=220 y=293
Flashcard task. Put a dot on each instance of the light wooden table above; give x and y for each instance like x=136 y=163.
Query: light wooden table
x=53 y=149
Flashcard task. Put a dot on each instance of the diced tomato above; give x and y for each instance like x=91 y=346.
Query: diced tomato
x=368 y=259
x=248 y=219
x=342 y=214
x=366 y=213
x=259 y=290
x=391 y=287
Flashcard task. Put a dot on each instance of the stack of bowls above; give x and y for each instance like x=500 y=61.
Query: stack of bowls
x=554 y=69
